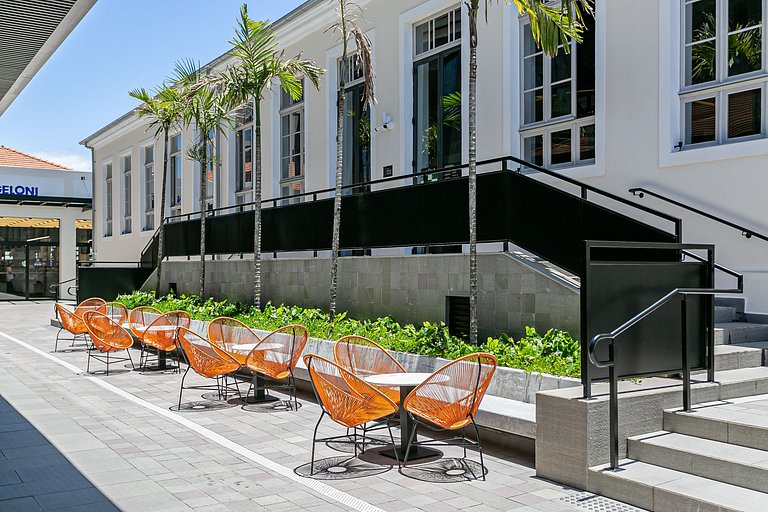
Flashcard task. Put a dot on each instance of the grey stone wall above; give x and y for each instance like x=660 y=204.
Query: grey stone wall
x=411 y=289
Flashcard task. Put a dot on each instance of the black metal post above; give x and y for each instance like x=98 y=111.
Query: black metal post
x=686 y=364
x=584 y=193
x=613 y=408
x=26 y=271
x=710 y=332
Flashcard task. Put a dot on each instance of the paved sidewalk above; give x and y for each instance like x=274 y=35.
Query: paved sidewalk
x=71 y=441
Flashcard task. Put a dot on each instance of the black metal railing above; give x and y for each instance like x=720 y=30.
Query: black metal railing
x=363 y=188
x=746 y=232
x=71 y=290
x=682 y=294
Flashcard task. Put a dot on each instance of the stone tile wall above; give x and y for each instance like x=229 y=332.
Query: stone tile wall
x=411 y=289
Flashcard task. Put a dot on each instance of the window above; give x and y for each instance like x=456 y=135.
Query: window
x=244 y=156
x=126 y=164
x=724 y=71
x=175 y=171
x=149 y=188
x=210 y=170
x=291 y=189
x=291 y=142
x=437 y=93
x=108 y=200
x=558 y=101
x=357 y=128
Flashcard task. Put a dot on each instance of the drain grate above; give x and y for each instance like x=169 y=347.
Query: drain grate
x=595 y=503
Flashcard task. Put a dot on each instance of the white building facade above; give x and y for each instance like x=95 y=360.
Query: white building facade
x=668 y=95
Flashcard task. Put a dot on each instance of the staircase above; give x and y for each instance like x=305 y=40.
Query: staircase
x=742 y=333
x=712 y=458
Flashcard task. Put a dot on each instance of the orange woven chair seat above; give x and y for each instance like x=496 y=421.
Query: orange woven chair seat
x=162 y=333
x=203 y=357
x=142 y=317
x=69 y=321
x=277 y=354
x=364 y=358
x=106 y=334
x=225 y=333
x=349 y=405
x=450 y=397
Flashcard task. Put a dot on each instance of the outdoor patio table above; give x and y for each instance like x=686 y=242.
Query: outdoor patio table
x=406 y=382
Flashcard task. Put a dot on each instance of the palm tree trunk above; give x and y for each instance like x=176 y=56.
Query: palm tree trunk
x=337 y=196
x=163 y=192
x=203 y=197
x=473 y=173
x=257 y=205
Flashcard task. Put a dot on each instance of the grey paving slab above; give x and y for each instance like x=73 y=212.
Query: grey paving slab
x=131 y=453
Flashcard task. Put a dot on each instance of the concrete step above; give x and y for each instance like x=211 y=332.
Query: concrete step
x=715 y=460
x=761 y=345
x=724 y=314
x=735 y=425
x=742 y=332
x=663 y=490
x=732 y=357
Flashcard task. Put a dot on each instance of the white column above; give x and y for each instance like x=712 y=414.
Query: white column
x=67 y=253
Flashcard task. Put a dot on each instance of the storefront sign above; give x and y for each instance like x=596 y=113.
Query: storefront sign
x=19 y=190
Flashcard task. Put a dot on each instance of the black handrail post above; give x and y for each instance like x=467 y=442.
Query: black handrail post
x=684 y=342
x=711 y=316
x=584 y=193
x=613 y=407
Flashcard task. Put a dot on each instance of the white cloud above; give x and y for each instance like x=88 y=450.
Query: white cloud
x=76 y=161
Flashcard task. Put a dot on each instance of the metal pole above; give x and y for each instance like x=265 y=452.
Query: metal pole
x=26 y=271
x=613 y=408
x=686 y=364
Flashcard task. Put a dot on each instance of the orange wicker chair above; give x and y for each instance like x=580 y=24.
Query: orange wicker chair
x=225 y=333
x=116 y=311
x=108 y=336
x=162 y=335
x=348 y=400
x=364 y=357
x=274 y=360
x=207 y=362
x=449 y=399
x=139 y=319
x=72 y=321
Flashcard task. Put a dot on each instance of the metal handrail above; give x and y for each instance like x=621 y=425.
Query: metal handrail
x=504 y=161
x=610 y=363
x=52 y=287
x=745 y=232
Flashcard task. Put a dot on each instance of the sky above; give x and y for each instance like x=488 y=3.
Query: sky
x=119 y=45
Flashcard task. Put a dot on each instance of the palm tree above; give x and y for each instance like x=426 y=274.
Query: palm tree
x=259 y=63
x=163 y=111
x=348 y=30
x=207 y=108
x=551 y=26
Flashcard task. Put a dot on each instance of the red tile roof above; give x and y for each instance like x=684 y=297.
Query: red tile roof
x=12 y=158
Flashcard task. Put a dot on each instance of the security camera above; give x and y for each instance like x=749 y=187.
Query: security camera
x=386 y=119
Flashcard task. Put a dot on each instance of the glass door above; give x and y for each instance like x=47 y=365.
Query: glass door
x=357 y=140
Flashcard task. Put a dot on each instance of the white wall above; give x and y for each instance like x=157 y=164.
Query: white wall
x=637 y=51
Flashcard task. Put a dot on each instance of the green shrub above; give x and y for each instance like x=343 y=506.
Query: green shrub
x=556 y=352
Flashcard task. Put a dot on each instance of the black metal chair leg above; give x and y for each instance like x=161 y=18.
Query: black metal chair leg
x=408 y=446
x=392 y=438
x=88 y=364
x=181 y=389
x=314 y=441
x=479 y=446
x=107 y=363
x=56 y=345
x=127 y=351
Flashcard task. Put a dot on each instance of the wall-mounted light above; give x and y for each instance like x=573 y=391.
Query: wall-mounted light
x=387 y=122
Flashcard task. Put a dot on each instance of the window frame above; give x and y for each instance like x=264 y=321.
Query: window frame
x=287 y=111
x=723 y=85
x=174 y=205
x=148 y=196
x=108 y=168
x=549 y=125
x=243 y=188
x=126 y=168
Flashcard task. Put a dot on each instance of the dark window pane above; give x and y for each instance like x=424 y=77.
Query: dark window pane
x=561 y=147
x=422 y=38
x=561 y=66
x=441 y=30
x=533 y=72
x=561 y=99
x=587 y=142
x=701 y=62
x=534 y=106
x=744 y=13
x=700 y=120
x=451 y=131
x=529 y=44
x=585 y=71
x=701 y=18
x=744 y=52
x=533 y=149
x=744 y=113
x=457 y=25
